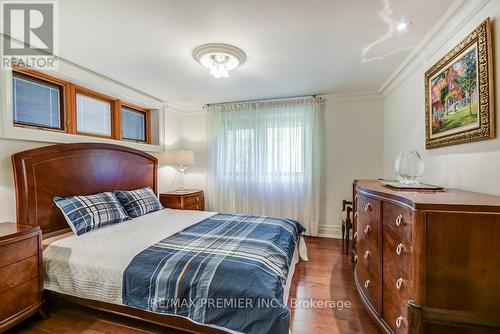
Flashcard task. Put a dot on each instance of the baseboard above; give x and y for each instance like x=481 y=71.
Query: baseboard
x=327 y=231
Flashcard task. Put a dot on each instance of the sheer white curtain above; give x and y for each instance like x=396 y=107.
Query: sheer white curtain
x=263 y=159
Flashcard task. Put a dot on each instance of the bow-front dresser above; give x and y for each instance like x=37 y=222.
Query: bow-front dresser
x=440 y=249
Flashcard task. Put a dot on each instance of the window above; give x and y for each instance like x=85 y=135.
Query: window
x=264 y=158
x=37 y=103
x=46 y=102
x=133 y=124
x=93 y=116
x=284 y=150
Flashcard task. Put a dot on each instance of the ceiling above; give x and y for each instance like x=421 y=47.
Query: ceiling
x=293 y=47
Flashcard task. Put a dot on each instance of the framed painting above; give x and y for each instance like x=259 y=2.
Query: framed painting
x=459 y=93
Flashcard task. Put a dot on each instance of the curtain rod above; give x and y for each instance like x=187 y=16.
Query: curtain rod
x=262 y=100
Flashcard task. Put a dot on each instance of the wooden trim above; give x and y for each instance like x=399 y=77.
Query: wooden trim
x=69 y=107
x=117 y=120
x=38 y=75
x=148 y=127
x=419 y=315
x=71 y=110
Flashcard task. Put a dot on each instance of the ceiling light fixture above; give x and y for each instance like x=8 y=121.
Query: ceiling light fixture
x=402 y=25
x=219 y=58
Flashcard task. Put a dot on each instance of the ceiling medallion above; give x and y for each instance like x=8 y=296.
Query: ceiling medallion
x=219 y=58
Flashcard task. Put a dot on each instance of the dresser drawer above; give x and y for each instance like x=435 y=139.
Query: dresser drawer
x=398 y=217
x=395 y=312
x=397 y=257
x=18 y=273
x=371 y=286
x=369 y=207
x=369 y=254
x=367 y=232
x=193 y=200
x=19 y=298
x=15 y=251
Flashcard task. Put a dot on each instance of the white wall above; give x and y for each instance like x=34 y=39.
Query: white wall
x=354 y=139
x=473 y=166
x=353 y=149
x=173 y=140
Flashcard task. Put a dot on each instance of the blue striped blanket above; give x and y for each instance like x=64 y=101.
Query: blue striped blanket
x=228 y=270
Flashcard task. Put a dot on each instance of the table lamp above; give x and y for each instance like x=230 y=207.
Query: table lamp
x=179 y=158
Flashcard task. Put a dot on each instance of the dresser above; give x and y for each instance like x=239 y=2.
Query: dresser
x=20 y=273
x=192 y=199
x=439 y=249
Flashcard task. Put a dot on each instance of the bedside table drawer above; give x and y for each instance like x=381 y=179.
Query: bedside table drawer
x=198 y=207
x=19 y=298
x=18 y=273
x=15 y=251
x=193 y=200
x=184 y=200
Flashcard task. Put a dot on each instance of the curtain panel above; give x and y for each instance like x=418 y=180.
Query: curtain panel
x=264 y=159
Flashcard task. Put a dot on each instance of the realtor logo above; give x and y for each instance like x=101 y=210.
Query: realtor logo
x=29 y=34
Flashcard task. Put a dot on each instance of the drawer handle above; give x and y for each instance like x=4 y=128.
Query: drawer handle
x=356 y=197
x=197 y=199
x=355 y=258
x=197 y=207
x=355 y=235
x=399 y=321
x=355 y=214
x=399 y=283
x=366 y=255
x=399 y=220
x=367 y=283
x=368 y=207
x=367 y=229
x=399 y=249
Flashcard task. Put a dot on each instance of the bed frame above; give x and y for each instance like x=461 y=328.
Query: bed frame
x=83 y=169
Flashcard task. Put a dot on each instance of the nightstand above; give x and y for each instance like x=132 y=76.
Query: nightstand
x=189 y=199
x=20 y=273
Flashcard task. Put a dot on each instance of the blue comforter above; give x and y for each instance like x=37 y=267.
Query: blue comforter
x=228 y=270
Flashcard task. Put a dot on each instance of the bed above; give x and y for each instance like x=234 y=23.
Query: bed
x=154 y=267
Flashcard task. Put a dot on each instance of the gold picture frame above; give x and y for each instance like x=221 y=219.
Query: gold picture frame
x=459 y=92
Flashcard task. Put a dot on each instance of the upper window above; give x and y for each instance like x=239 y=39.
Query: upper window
x=46 y=102
x=37 y=103
x=93 y=116
x=133 y=125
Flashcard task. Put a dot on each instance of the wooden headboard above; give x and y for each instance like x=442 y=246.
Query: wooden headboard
x=75 y=169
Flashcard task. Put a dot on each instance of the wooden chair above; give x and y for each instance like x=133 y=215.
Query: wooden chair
x=346 y=224
x=418 y=316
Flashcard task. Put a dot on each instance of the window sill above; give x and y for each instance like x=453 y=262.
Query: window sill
x=8 y=131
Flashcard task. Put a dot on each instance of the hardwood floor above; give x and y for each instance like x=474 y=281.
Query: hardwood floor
x=328 y=276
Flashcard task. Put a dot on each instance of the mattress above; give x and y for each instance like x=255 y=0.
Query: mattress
x=92 y=265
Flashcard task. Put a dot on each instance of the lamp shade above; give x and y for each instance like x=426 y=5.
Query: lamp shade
x=177 y=157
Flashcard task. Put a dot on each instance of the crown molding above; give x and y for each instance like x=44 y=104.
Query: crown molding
x=362 y=96
x=417 y=57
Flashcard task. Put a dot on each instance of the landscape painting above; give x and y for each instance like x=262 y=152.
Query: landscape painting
x=454 y=96
x=459 y=93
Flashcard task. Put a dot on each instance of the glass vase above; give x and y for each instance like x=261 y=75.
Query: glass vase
x=409 y=168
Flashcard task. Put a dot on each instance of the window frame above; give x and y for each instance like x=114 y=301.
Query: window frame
x=78 y=90
x=69 y=107
x=147 y=122
x=41 y=78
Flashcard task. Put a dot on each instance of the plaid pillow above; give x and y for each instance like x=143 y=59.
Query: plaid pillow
x=87 y=213
x=139 y=202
